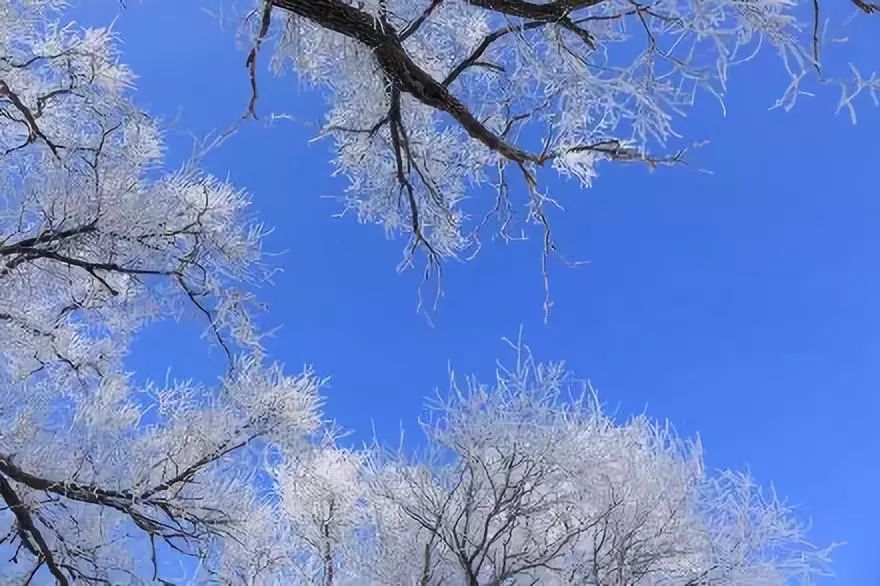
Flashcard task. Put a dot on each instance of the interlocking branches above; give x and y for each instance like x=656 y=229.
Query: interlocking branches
x=398 y=67
x=29 y=118
x=186 y=485
x=30 y=536
x=430 y=201
x=520 y=486
x=96 y=240
x=481 y=84
x=162 y=511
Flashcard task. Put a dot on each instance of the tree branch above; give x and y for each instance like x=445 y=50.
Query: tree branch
x=399 y=67
x=28 y=530
x=34 y=131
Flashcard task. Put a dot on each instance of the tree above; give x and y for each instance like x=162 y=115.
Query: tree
x=430 y=99
x=97 y=475
x=106 y=481
x=527 y=481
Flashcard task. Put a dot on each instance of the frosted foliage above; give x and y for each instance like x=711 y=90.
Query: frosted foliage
x=94 y=242
x=527 y=481
x=107 y=480
x=101 y=478
x=431 y=99
x=322 y=496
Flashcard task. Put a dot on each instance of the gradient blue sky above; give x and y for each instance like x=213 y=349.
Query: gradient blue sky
x=743 y=305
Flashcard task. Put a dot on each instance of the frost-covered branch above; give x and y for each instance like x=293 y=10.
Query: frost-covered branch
x=527 y=481
x=478 y=85
x=97 y=240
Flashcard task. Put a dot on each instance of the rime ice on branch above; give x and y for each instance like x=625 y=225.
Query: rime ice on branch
x=430 y=98
x=100 y=479
x=527 y=481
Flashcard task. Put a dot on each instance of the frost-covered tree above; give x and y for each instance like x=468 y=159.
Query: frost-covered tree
x=431 y=99
x=103 y=480
x=527 y=481
x=98 y=476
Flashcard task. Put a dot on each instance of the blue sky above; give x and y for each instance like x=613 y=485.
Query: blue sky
x=743 y=304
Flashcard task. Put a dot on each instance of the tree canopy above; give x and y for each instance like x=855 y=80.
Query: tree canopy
x=430 y=99
x=524 y=480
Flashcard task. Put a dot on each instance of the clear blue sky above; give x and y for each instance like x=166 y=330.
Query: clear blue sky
x=743 y=305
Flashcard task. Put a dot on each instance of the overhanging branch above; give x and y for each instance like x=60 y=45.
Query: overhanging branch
x=404 y=73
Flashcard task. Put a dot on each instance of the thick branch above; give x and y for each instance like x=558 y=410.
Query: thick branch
x=83 y=493
x=28 y=530
x=399 y=67
x=30 y=253
x=523 y=9
x=46 y=237
x=34 y=131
